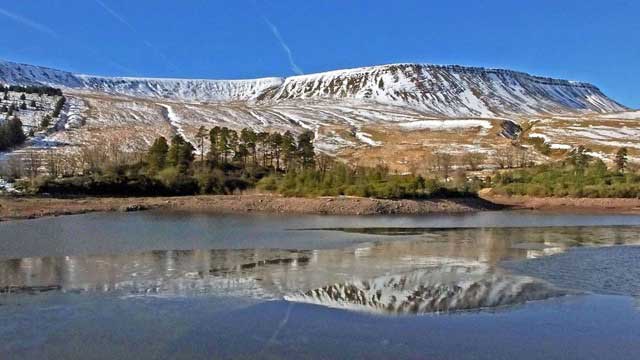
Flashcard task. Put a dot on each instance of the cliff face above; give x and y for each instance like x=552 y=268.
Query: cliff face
x=432 y=89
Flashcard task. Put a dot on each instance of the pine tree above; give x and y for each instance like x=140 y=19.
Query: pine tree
x=180 y=154
x=249 y=139
x=23 y=97
x=46 y=121
x=288 y=149
x=14 y=132
x=23 y=106
x=201 y=135
x=275 y=142
x=4 y=144
x=579 y=157
x=33 y=104
x=157 y=155
x=214 y=139
x=262 y=139
x=306 y=152
x=621 y=159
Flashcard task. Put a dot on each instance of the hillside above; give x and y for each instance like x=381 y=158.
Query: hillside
x=401 y=115
x=433 y=89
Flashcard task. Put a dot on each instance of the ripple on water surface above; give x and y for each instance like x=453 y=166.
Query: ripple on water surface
x=605 y=270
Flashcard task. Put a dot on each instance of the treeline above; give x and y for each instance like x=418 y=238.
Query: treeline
x=224 y=161
x=333 y=178
x=221 y=162
x=32 y=89
x=578 y=175
x=11 y=133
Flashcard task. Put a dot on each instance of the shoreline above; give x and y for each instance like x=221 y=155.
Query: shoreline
x=565 y=204
x=16 y=208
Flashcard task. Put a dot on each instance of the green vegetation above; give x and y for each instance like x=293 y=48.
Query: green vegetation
x=579 y=175
x=333 y=178
x=34 y=89
x=11 y=134
x=58 y=107
x=232 y=161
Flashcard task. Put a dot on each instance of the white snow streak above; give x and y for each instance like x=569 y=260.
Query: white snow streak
x=446 y=124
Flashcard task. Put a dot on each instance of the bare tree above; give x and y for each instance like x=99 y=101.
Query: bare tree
x=443 y=164
x=15 y=167
x=33 y=162
x=505 y=157
x=474 y=160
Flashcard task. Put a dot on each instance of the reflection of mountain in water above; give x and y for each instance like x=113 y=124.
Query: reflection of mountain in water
x=438 y=270
x=449 y=288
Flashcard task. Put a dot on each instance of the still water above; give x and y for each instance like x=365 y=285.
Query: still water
x=193 y=285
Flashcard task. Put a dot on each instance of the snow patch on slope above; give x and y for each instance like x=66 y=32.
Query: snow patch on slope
x=439 y=125
x=175 y=121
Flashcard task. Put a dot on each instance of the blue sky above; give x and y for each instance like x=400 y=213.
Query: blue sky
x=594 y=41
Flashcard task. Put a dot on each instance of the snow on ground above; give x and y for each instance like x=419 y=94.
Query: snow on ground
x=446 y=124
x=366 y=138
x=632 y=115
x=7 y=187
x=175 y=120
x=560 y=146
x=598 y=155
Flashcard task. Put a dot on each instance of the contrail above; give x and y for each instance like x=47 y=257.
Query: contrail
x=124 y=21
x=30 y=23
x=48 y=31
x=294 y=67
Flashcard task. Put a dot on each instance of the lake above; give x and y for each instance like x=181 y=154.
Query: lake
x=167 y=285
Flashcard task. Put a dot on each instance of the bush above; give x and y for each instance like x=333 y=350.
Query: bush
x=560 y=180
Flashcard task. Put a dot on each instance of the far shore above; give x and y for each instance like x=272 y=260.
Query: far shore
x=566 y=204
x=13 y=208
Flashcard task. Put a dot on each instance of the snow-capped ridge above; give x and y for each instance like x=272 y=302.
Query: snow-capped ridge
x=446 y=90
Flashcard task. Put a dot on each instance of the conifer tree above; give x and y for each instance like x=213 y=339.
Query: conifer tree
x=288 y=149
x=180 y=154
x=621 y=159
x=249 y=138
x=306 y=152
x=214 y=139
x=200 y=136
x=157 y=155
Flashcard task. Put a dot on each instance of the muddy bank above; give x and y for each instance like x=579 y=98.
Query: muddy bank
x=29 y=208
x=591 y=205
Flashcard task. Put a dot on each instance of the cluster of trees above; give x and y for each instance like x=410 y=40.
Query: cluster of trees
x=333 y=178
x=11 y=133
x=32 y=89
x=223 y=161
x=230 y=150
x=578 y=175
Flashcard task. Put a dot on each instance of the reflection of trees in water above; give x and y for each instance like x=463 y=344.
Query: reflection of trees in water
x=171 y=272
x=274 y=273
